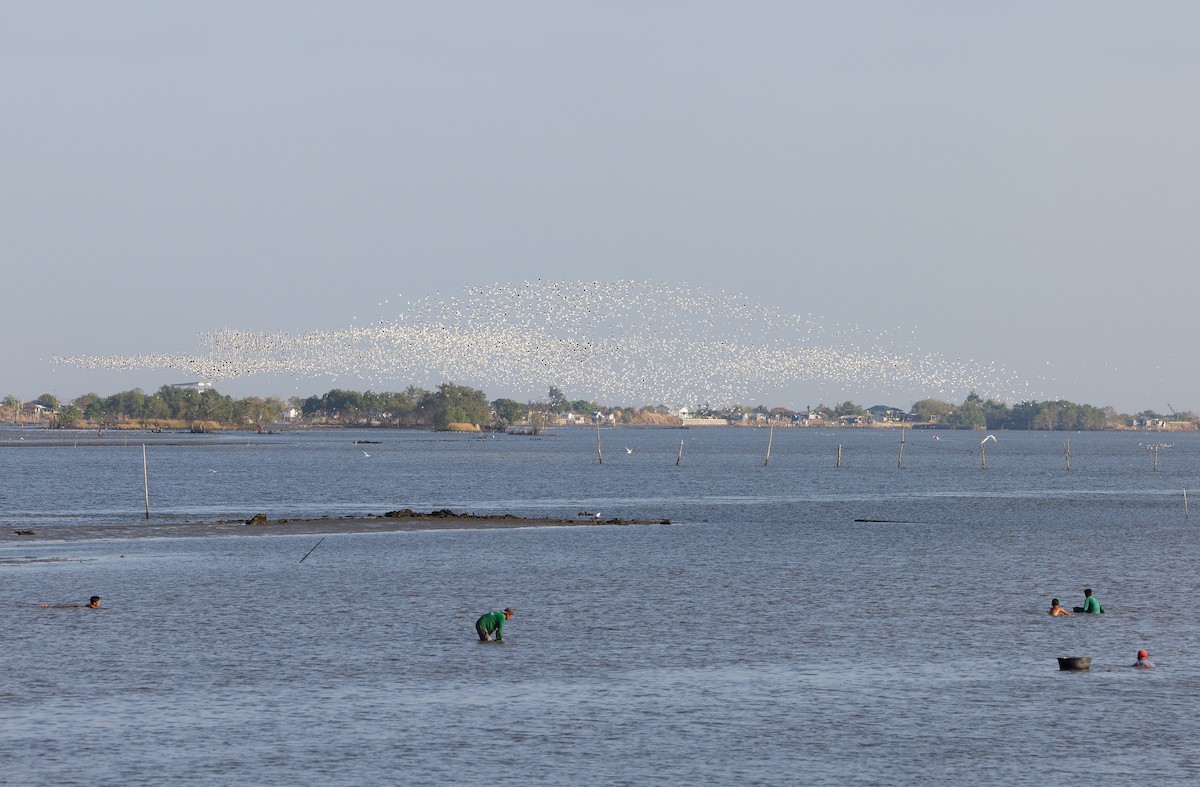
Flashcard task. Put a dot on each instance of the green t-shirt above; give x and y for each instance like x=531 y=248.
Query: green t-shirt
x=1092 y=606
x=492 y=622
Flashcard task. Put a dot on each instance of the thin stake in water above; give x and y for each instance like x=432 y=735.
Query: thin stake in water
x=309 y=552
x=146 y=479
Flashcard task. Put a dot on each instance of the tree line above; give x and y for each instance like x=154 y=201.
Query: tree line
x=200 y=409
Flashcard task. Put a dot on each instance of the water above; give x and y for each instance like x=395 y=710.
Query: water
x=767 y=637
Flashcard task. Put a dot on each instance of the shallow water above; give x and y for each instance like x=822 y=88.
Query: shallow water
x=767 y=637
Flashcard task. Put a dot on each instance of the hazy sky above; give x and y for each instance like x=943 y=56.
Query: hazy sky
x=1016 y=182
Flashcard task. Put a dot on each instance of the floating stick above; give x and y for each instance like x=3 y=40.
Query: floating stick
x=309 y=552
x=770 y=439
x=146 y=479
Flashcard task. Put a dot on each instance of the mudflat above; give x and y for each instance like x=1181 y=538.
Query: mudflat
x=390 y=522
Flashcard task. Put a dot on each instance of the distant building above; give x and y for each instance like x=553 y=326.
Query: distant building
x=883 y=413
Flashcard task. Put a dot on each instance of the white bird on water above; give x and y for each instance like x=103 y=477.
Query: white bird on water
x=628 y=450
x=366 y=455
x=991 y=437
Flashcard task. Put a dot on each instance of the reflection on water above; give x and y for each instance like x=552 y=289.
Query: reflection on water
x=769 y=639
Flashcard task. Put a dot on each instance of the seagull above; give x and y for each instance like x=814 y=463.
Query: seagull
x=628 y=450
x=366 y=454
x=991 y=437
x=597 y=514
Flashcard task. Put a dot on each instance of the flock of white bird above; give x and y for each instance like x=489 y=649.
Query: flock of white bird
x=616 y=342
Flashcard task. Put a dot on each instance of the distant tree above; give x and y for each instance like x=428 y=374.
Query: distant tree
x=13 y=405
x=85 y=401
x=584 y=407
x=930 y=410
x=996 y=415
x=540 y=415
x=400 y=405
x=312 y=407
x=968 y=415
x=508 y=411
x=49 y=401
x=452 y=403
x=558 y=402
x=344 y=405
x=261 y=413
x=848 y=408
x=68 y=417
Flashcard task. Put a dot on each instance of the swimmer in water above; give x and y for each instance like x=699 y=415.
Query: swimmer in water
x=1143 y=661
x=1056 y=609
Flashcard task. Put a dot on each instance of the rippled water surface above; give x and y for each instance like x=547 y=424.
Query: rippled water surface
x=765 y=637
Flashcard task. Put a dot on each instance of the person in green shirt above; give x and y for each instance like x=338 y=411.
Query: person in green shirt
x=1091 y=605
x=493 y=623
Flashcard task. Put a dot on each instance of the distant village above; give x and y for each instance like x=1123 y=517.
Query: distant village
x=199 y=407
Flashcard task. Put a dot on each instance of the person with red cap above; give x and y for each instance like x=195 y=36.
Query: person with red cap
x=1143 y=661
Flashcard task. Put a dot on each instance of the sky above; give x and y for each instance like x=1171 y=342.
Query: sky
x=1004 y=183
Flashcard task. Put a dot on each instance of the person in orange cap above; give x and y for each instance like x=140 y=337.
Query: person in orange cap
x=1143 y=661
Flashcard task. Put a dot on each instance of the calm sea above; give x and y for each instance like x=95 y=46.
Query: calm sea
x=769 y=636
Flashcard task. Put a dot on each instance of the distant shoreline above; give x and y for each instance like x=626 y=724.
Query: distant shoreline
x=400 y=523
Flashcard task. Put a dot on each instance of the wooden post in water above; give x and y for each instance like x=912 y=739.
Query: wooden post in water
x=900 y=458
x=1185 y=511
x=1067 y=453
x=983 y=450
x=679 y=458
x=1156 y=458
x=839 y=456
x=146 y=479
x=599 y=453
x=770 y=439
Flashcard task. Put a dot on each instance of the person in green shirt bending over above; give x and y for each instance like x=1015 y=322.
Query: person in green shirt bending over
x=493 y=623
x=1090 y=605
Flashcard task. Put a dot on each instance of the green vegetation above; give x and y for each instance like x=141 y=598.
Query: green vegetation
x=204 y=409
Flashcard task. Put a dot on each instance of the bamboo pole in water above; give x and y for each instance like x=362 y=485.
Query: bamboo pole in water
x=146 y=479
x=599 y=453
x=900 y=458
x=679 y=458
x=839 y=455
x=1185 y=510
x=770 y=439
x=1067 y=453
x=983 y=450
